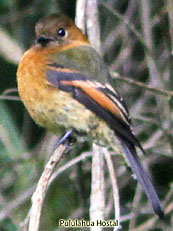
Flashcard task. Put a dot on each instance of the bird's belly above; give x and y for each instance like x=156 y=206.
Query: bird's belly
x=62 y=111
x=58 y=111
x=54 y=109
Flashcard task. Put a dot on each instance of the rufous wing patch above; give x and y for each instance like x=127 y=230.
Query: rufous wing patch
x=90 y=88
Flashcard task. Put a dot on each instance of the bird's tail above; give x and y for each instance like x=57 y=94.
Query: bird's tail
x=142 y=176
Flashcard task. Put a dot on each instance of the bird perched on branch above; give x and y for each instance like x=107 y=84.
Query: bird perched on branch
x=64 y=84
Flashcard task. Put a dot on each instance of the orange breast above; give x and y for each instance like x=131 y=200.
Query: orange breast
x=32 y=84
x=48 y=106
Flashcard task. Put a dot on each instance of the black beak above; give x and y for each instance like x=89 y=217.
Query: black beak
x=43 y=40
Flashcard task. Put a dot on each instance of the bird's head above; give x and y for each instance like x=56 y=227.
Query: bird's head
x=58 y=30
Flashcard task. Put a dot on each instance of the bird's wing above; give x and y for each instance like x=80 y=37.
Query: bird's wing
x=109 y=106
x=100 y=99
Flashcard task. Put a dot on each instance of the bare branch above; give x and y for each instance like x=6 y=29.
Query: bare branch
x=147 y=225
x=143 y=85
x=93 y=28
x=8 y=97
x=5 y=95
x=42 y=186
x=135 y=207
x=97 y=201
x=80 y=14
x=114 y=185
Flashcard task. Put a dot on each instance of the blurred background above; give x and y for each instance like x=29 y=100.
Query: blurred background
x=137 y=43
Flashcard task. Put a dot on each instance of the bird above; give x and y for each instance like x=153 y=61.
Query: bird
x=65 y=85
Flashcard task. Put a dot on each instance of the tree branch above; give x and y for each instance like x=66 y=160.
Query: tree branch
x=97 y=201
x=143 y=85
x=114 y=185
x=41 y=189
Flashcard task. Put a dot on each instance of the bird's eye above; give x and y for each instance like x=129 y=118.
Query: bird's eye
x=61 y=32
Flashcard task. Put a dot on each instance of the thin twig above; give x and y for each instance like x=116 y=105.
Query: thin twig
x=42 y=186
x=126 y=217
x=135 y=209
x=114 y=185
x=9 y=90
x=8 y=97
x=97 y=197
x=5 y=95
x=143 y=85
x=147 y=225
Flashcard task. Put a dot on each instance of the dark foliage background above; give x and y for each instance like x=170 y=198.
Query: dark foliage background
x=136 y=37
